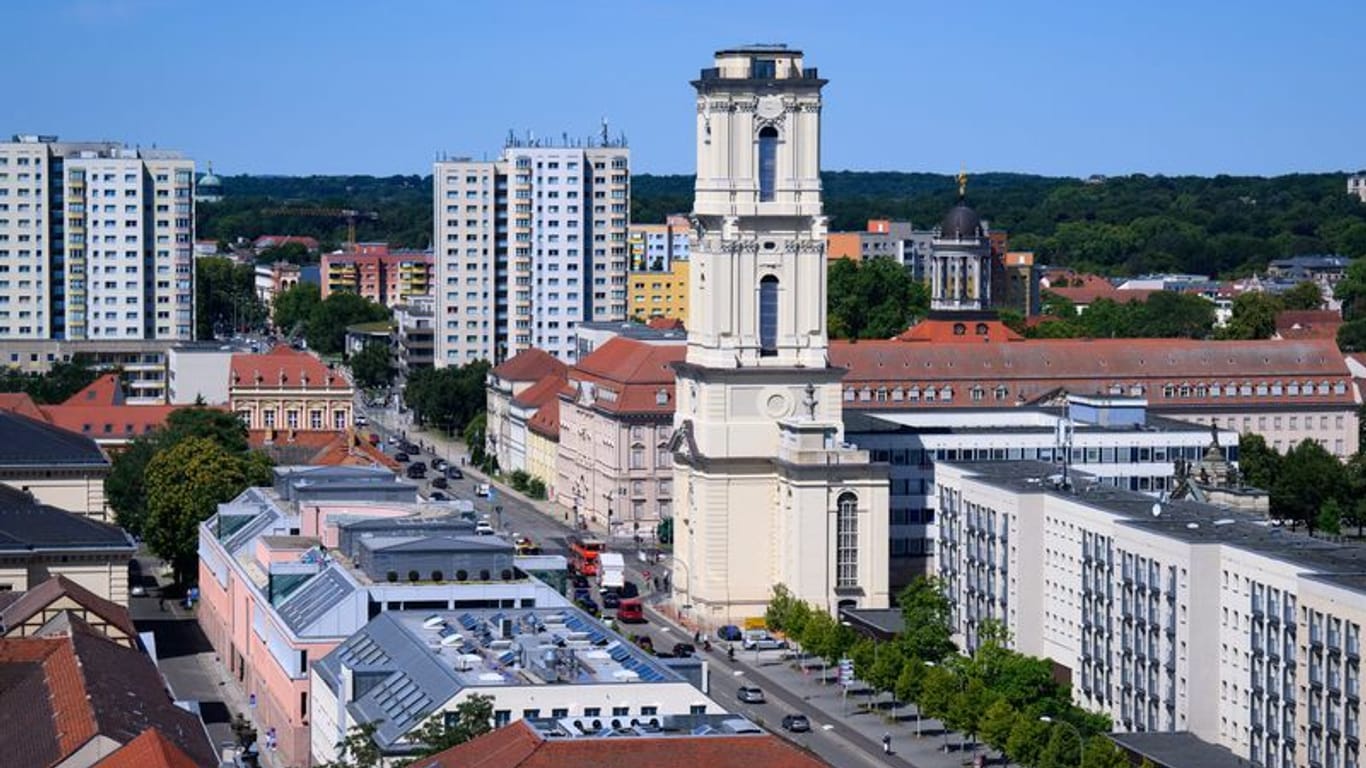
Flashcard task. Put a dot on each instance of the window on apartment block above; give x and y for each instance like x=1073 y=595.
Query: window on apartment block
x=768 y=316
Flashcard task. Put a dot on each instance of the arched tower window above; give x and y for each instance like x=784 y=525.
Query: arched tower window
x=768 y=162
x=846 y=540
x=768 y=316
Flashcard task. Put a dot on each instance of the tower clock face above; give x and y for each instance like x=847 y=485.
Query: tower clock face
x=770 y=107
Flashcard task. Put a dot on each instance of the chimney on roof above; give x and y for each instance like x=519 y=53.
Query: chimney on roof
x=283 y=377
x=258 y=377
x=303 y=376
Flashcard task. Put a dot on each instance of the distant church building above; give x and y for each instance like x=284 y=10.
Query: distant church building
x=766 y=490
x=960 y=260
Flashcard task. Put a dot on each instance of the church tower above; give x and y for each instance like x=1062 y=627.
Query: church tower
x=766 y=491
x=960 y=260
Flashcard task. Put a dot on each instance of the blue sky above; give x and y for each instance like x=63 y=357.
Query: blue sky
x=334 y=86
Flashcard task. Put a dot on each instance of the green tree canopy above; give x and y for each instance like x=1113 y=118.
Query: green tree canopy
x=1257 y=462
x=448 y=398
x=925 y=611
x=1063 y=750
x=1305 y=295
x=294 y=306
x=328 y=321
x=185 y=483
x=1101 y=752
x=292 y=252
x=1254 y=316
x=873 y=299
x=1309 y=476
x=61 y=381
x=373 y=366
x=225 y=298
x=998 y=721
x=470 y=719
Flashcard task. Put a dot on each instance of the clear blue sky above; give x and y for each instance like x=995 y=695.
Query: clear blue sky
x=334 y=86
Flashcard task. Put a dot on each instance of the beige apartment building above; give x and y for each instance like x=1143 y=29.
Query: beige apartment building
x=286 y=391
x=1167 y=616
x=616 y=413
x=527 y=246
x=96 y=241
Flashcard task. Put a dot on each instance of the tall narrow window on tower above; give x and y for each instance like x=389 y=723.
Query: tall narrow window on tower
x=768 y=162
x=846 y=541
x=768 y=316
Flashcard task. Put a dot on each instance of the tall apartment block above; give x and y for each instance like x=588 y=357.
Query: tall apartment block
x=528 y=246
x=96 y=241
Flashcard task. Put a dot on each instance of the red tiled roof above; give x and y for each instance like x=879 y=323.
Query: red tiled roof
x=530 y=365
x=284 y=367
x=21 y=403
x=45 y=594
x=1037 y=367
x=326 y=448
x=1094 y=288
x=665 y=324
x=518 y=746
x=546 y=420
x=1308 y=324
x=150 y=750
x=541 y=392
x=629 y=376
x=946 y=330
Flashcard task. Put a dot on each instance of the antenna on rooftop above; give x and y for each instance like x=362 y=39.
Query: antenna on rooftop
x=1063 y=445
x=605 y=138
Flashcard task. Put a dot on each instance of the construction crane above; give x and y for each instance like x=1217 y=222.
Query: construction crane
x=332 y=213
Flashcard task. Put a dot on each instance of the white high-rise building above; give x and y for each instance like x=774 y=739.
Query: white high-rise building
x=527 y=247
x=767 y=491
x=96 y=241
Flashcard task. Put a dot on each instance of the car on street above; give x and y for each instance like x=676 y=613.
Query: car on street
x=437 y=496
x=750 y=694
x=631 y=611
x=729 y=633
x=482 y=490
x=482 y=528
x=439 y=482
x=611 y=600
x=361 y=421
x=410 y=448
x=590 y=607
x=684 y=650
x=401 y=457
x=761 y=640
x=579 y=580
x=439 y=464
x=417 y=471
x=393 y=440
x=795 y=723
x=454 y=473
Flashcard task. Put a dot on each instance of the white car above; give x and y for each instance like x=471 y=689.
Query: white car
x=483 y=529
x=759 y=640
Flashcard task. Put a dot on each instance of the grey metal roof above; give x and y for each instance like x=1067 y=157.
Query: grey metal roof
x=436 y=544
x=310 y=602
x=26 y=525
x=1177 y=750
x=26 y=442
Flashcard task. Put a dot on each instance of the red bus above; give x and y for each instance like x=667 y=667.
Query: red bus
x=631 y=611
x=583 y=554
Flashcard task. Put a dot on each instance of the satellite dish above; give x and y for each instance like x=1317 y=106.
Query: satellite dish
x=1157 y=509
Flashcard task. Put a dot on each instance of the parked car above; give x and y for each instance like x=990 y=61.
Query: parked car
x=393 y=440
x=454 y=473
x=611 y=600
x=439 y=482
x=439 y=464
x=761 y=640
x=684 y=650
x=729 y=633
x=361 y=421
x=437 y=496
x=750 y=695
x=411 y=448
x=589 y=607
x=482 y=528
x=631 y=612
x=417 y=471
x=482 y=489
x=579 y=580
x=401 y=457
x=796 y=723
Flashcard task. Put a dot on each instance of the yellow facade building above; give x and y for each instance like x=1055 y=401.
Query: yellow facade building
x=660 y=294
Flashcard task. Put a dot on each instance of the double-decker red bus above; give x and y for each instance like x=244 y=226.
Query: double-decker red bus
x=583 y=554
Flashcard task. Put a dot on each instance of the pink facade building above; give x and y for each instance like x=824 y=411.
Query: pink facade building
x=288 y=573
x=377 y=273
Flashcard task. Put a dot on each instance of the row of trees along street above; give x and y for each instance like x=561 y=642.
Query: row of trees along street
x=996 y=697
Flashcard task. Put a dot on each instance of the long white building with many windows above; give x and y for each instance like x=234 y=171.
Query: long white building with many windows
x=1168 y=616
x=527 y=247
x=95 y=241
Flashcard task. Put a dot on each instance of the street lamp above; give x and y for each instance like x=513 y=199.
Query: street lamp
x=1081 y=745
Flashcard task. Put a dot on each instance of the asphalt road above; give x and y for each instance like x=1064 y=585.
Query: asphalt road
x=829 y=738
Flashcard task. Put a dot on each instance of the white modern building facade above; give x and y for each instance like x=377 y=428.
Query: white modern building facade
x=765 y=488
x=1115 y=440
x=527 y=246
x=1356 y=185
x=1168 y=616
x=96 y=241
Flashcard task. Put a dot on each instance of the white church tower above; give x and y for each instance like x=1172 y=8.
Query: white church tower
x=766 y=491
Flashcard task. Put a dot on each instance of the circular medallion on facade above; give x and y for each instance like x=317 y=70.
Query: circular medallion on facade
x=777 y=405
x=770 y=107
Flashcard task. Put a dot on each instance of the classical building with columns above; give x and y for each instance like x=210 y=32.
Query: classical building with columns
x=960 y=259
x=766 y=490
